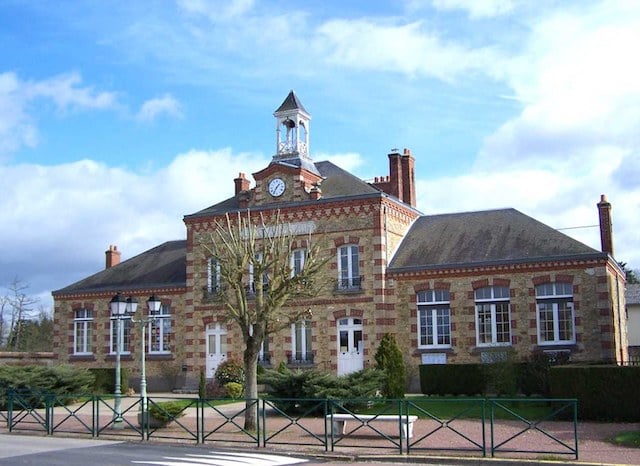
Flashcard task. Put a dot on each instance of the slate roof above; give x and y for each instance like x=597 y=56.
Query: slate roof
x=483 y=238
x=291 y=102
x=160 y=267
x=632 y=294
x=337 y=183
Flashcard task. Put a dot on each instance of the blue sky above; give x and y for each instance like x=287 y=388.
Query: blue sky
x=117 y=118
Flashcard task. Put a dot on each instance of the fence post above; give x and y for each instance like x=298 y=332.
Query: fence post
x=10 y=410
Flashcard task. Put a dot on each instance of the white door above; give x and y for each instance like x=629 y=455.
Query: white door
x=216 y=347
x=350 y=357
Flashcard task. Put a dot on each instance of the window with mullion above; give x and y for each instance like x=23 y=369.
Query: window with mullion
x=348 y=267
x=160 y=330
x=493 y=322
x=297 y=261
x=434 y=319
x=301 y=341
x=82 y=331
x=213 y=275
x=125 y=333
x=554 y=303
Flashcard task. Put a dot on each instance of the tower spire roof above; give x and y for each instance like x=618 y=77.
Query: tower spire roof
x=291 y=103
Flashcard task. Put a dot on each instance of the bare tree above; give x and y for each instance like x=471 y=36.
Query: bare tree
x=252 y=258
x=21 y=310
x=4 y=310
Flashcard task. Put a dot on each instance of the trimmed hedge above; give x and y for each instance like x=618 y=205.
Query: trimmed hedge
x=453 y=379
x=604 y=393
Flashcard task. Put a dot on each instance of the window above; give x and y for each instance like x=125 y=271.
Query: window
x=264 y=357
x=160 y=330
x=348 y=268
x=554 y=303
x=82 y=331
x=301 y=342
x=493 y=324
x=265 y=276
x=297 y=261
x=213 y=278
x=434 y=318
x=125 y=335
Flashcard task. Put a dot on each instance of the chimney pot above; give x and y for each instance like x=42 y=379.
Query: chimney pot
x=112 y=256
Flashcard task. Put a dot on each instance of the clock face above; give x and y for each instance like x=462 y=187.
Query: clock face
x=276 y=187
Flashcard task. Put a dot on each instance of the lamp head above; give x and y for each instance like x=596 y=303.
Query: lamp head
x=154 y=304
x=118 y=305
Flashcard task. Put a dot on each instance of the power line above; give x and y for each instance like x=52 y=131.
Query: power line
x=575 y=228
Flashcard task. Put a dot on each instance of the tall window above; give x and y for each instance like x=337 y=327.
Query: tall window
x=125 y=332
x=213 y=275
x=252 y=279
x=160 y=330
x=82 y=331
x=434 y=318
x=493 y=324
x=554 y=302
x=297 y=261
x=348 y=267
x=301 y=342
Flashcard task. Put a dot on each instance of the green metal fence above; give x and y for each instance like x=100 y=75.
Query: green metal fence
x=520 y=425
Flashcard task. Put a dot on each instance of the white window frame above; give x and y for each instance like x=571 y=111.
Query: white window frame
x=492 y=300
x=82 y=331
x=349 y=273
x=304 y=347
x=296 y=263
x=430 y=303
x=158 y=329
x=555 y=294
x=265 y=276
x=213 y=275
x=125 y=332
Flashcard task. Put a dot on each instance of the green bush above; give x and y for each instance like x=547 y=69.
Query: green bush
x=292 y=385
x=105 y=379
x=389 y=359
x=234 y=390
x=166 y=411
x=63 y=381
x=229 y=371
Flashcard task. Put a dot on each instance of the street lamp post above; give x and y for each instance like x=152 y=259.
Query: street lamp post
x=153 y=306
x=120 y=308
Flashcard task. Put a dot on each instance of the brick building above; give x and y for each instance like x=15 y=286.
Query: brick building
x=452 y=288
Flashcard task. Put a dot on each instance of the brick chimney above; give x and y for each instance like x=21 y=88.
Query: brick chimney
x=408 y=178
x=606 y=227
x=395 y=175
x=112 y=256
x=242 y=183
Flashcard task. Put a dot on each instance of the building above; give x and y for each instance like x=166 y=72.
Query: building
x=632 y=298
x=452 y=288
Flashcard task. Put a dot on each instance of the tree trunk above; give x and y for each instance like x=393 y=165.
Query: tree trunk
x=251 y=387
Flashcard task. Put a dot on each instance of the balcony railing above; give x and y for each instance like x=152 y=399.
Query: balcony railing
x=349 y=285
x=300 y=359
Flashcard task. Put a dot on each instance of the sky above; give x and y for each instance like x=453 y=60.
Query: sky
x=118 y=118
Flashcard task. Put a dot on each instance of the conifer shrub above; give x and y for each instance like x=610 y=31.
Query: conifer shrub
x=292 y=391
x=389 y=359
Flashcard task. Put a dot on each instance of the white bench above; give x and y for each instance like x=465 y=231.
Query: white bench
x=340 y=421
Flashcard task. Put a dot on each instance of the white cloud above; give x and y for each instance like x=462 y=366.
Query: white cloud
x=350 y=161
x=216 y=10
x=18 y=128
x=399 y=48
x=474 y=8
x=153 y=108
x=85 y=206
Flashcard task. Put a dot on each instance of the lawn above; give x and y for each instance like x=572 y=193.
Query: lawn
x=627 y=439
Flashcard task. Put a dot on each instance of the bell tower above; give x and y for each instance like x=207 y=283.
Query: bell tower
x=292 y=133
